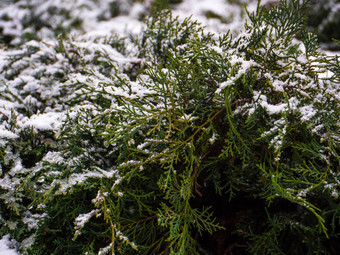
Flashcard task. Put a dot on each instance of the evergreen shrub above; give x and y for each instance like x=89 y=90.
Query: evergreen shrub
x=23 y=20
x=173 y=142
x=324 y=19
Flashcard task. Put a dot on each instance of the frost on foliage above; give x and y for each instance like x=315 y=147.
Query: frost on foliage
x=32 y=220
x=80 y=221
x=38 y=80
x=107 y=249
x=41 y=19
x=291 y=86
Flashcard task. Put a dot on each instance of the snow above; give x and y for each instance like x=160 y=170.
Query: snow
x=307 y=112
x=82 y=219
x=232 y=15
x=53 y=157
x=5 y=245
x=46 y=121
x=32 y=220
x=7 y=134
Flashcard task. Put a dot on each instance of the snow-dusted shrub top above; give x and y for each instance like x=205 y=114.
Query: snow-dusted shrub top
x=126 y=145
x=40 y=19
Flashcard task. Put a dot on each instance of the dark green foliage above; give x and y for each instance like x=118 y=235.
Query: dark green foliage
x=193 y=145
x=324 y=18
x=55 y=234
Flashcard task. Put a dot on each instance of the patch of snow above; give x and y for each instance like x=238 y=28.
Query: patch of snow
x=53 y=157
x=46 y=121
x=7 y=134
x=6 y=246
x=82 y=219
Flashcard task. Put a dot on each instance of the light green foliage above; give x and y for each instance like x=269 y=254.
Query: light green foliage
x=176 y=135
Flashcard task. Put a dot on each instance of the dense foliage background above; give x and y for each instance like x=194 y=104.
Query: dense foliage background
x=127 y=128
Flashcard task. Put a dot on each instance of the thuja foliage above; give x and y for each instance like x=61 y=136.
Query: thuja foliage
x=23 y=20
x=323 y=16
x=174 y=142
